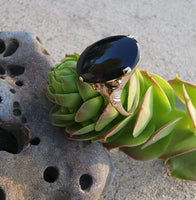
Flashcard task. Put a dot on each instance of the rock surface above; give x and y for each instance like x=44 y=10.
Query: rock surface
x=37 y=161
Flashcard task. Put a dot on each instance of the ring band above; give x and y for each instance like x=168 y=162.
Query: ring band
x=113 y=90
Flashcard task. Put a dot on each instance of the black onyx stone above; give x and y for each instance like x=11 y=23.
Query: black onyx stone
x=105 y=59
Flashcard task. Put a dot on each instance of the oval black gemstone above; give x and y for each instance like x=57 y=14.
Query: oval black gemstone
x=105 y=60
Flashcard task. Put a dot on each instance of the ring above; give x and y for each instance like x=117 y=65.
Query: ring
x=108 y=65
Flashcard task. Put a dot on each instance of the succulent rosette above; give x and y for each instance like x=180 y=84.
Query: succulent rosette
x=163 y=124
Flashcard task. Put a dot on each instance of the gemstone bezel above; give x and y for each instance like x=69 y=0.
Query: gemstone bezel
x=106 y=59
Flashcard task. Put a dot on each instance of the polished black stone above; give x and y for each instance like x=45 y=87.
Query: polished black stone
x=105 y=60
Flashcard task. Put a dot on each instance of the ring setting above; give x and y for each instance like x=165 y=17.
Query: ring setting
x=107 y=65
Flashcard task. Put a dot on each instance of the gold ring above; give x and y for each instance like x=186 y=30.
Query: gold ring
x=107 y=65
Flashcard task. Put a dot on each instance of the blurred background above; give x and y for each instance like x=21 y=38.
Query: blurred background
x=166 y=31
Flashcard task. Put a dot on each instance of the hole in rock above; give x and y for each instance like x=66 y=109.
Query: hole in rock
x=0 y=99
x=86 y=182
x=2 y=46
x=16 y=104
x=44 y=51
x=12 y=91
x=14 y=137
x=35 y=141
x=2 y=194
x=12 y=46
x=51 y=174
x=23 y=120
x=17 y=112
x=19 y=83
x=2 y=71
x=38 y=39
x=15 y=70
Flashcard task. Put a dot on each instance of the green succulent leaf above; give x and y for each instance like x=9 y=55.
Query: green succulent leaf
x=50 y=93
x=179 y=104
x=84 y=137
x=183 y=166
x=86 y=91
x=125 y=137
x=108 y=115
x=161 y=101
x=161 y=133
x=182 y=141
x=77 y=130
x=58 y=121
x=69 y=58
x=168 y=90
x=57 y=86
x=114 y=127
x=70 y=100
x=50 y=77
x=133 y=93
x=149 y=153
x=69 y=63
x=141 y=84
x=62 y=70
x=191 y=109
x=117 y=127
x=63 y=116
x=178 y=89
x=89 y=109
x=145 y=112
x=69 y=84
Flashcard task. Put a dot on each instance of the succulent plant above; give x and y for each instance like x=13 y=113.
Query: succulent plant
x=163 y=124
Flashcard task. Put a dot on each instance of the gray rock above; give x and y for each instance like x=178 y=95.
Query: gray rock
x=37 y=161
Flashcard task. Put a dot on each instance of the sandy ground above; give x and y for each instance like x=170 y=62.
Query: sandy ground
x=166 y=31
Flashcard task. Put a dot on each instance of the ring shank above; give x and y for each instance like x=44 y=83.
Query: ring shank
x=114 y=95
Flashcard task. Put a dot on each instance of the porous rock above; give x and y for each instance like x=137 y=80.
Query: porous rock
x=36 y=159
